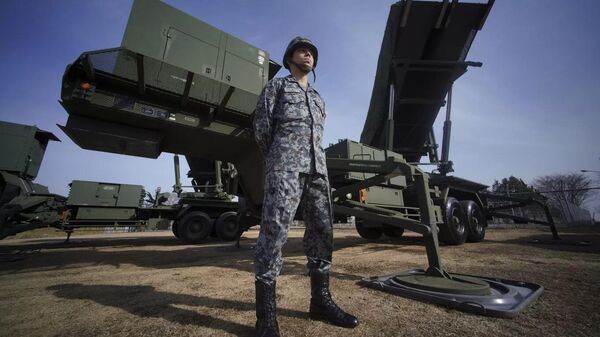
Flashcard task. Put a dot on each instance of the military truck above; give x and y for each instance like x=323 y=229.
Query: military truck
x=26 y=205
x=423 y=52
x=148 y=96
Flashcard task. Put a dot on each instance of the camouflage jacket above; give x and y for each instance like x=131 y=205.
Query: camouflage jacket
x=288 y=126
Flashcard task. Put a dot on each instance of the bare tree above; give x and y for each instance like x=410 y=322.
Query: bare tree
x=573 y=187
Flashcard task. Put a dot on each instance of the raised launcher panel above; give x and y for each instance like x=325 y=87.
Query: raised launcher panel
x=217 y=59
x=423 y=52
x=176 y=85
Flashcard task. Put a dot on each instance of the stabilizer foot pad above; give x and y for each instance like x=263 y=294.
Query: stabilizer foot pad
x=504 y=298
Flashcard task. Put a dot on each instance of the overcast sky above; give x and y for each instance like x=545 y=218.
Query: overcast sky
x=531 y=110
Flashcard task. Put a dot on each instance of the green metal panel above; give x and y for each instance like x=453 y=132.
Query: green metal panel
x=384 y=196
x=205 y=89
x=107 y=194
x=423 y=52
x=100 y=213
x=89 y=193
x=14 y=150
x=22 y=148
x=162 y=32
x=86 y=193
x=246 y=51
x=99 y=135
x=193 y=53
x=158 y=30
x=243 y=74
x=39 y=189
x=130 y=196
x=349 y=149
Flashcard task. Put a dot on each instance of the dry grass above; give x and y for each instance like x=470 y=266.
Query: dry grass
x=148 y=284
x=50 y=232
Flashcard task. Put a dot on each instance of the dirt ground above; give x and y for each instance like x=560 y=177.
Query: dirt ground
x=149 y=284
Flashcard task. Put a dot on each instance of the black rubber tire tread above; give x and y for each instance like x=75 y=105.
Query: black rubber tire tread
x=213 y=234
x=393 y=232
x=227 y=226
x=454 y=229
x=194 y=227
x=475 y=219
x=174 y=229
x=369 y=233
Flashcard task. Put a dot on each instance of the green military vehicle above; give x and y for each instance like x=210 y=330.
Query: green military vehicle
x=26 y=205
x=423 y=52
x=149 y=96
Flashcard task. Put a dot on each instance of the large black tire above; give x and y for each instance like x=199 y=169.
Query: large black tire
x=393 y=232
x=174 y=229
x=475 y=220
x=213 y=234
x=227 y=227
x=194 y=227
x=369 y=233
x=454 y=229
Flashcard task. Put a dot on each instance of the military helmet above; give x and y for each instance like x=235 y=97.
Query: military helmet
x=296 y=43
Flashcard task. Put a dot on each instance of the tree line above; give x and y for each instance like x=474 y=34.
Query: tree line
x=575 y=188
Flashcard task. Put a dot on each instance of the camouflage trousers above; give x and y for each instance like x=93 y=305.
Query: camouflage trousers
x=284 y=192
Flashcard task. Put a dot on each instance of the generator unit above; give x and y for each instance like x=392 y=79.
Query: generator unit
x=90 y=200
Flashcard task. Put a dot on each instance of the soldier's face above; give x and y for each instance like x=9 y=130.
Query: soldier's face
x=303 y=59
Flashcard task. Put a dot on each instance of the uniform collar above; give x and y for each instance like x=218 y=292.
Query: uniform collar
x=291 y=78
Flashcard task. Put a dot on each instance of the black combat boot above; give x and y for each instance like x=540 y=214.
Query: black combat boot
x=266 y=310
x=322 y=306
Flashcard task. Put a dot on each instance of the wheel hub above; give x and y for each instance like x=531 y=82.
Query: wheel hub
x=195 y=227
x=458 y=224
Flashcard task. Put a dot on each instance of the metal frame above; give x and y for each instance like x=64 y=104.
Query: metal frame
x=518 y=203
x=386 y=170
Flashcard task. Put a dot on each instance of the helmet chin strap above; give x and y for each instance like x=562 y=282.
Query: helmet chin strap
x=299 y=66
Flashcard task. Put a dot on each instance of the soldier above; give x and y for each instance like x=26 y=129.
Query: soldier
x=288 y=127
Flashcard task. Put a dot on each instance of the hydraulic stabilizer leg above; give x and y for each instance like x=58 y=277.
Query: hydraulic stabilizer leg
x=432 y=245
x=476 y=294
x=69 y=232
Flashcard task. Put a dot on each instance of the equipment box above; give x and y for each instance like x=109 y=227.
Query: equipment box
x=89 y=193
x=348 y=149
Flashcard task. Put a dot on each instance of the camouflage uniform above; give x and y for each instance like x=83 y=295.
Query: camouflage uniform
x=288 y=127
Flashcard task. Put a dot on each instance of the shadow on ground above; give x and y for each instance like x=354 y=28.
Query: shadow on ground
x=27 y=257
x=146 y=301
x=164 y=253
x=570 y=241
